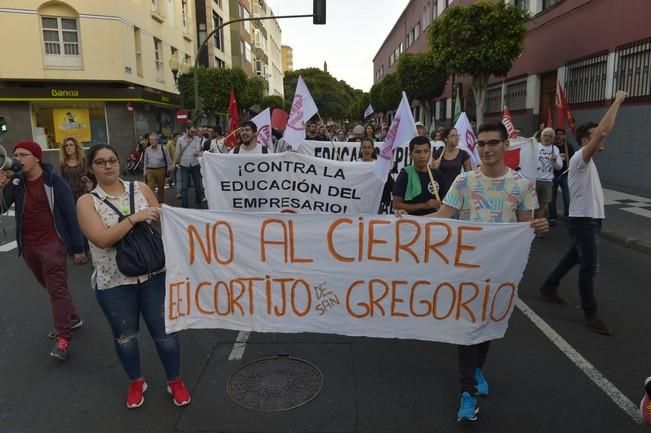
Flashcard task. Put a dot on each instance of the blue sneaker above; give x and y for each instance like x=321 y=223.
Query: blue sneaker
x=468 y=409
x=482 y=385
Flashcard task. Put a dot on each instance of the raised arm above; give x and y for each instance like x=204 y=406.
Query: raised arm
x=605 y=126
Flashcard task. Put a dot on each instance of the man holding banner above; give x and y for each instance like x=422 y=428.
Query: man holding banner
x=416 y=190
x=249 y=142
x=494 y=194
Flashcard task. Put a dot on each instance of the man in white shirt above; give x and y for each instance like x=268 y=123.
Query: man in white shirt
x=248 y=138
x=586 y=214
x=549 y=159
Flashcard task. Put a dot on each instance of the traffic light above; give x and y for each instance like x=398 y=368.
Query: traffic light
x=3 y=126
x=319 y=12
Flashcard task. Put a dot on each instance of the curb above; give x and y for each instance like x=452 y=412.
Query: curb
x=630 y=242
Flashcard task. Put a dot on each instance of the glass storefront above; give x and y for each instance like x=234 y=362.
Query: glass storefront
x=52 y=122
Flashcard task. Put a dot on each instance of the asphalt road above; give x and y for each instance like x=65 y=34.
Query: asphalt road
x=369 y=385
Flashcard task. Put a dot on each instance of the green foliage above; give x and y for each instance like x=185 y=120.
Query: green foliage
x=333 y=97
x=420 y=76
x=272 y=101
x=215 y=85
x=480 y=40
x=386 y=94
x=356 y=110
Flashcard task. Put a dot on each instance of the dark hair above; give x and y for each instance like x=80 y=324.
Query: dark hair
x=218 y=130
x=188 y=125
x=418 y=140
x=583 y=131
x=494 y=127
x=90 y=155
x=369 y=139
x=557 y=130
x=446 y=132
x=250 y=124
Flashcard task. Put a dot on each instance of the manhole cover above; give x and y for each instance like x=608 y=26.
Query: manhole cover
x=275 y=384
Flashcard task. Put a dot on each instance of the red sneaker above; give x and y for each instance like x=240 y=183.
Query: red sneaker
x=645 y=404
x=136 y=394
x=180 y=394
x=60 y=349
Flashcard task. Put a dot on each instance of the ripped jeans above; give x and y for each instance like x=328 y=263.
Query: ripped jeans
x=122 y=306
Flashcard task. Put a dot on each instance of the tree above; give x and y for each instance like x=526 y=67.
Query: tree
x=479 y=40
x=422 y=78
x=273 y=101
x=356 y=110
x=215 y=86
x=386 y=94
x=332 y=97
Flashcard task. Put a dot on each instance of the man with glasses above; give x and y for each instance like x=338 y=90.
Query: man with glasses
x=188 y=150
x=492 y=194
x=46 y=233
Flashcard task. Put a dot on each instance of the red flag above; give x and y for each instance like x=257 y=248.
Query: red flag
x=563 y=108
x=233 y=121
x=279 y=119
x=508 y=122
x=549 y=124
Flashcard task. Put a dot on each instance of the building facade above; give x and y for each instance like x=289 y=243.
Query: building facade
x=593 y=48
x=287 y=58
x=93 y=69
x=241 y=36
x=210 y=15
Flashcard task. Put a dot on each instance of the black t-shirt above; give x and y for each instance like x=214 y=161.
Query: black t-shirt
x=427 y=193
x=450 y=168
x=561 y=150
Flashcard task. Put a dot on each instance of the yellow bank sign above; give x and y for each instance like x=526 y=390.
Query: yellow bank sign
x=61 y=93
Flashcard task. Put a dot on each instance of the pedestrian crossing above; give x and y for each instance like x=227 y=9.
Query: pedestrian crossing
x=628 y=202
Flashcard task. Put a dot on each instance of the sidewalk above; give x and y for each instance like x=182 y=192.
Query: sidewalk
x=628 y=220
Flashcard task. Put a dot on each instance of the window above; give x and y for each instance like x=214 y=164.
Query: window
x=61 y=42
x=426 y=18
x=417 y=31
x=586 y=79
x=158 y=59
x=219 y=63
x=392 y=59
x=137 y=39
x=185 y=19
x=218 y=2
x=516 y=95
x=244 y=13
x=633 y=68
x=402 y=48
x=247 y=52
x=157 y=11
x=493 y=99
x=410 y=38
x=522 y=4
x=549 y=3
x=382 y=71
x=219 y=35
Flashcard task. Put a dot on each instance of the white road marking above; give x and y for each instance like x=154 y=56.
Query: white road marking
x=8 y=246
x=583 y=364
x=239 y=346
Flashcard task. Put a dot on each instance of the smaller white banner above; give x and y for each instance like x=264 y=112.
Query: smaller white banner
x=289 y=182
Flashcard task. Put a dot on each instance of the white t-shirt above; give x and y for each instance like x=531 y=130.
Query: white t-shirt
x=545 y=169
x=256 y=150
x=586 y=194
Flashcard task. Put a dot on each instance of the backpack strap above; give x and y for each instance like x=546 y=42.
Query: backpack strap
x=131 y=199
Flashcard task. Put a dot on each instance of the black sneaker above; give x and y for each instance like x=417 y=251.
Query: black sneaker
x=60 y=350
x=550 y=294
x=597 y=325
x=76 y=324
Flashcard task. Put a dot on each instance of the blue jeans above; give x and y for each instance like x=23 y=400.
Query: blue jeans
x=584 y=251
x=122 y=306
x=565 y=190
x=195 y=172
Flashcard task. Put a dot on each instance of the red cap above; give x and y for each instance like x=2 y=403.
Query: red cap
x=31 y=146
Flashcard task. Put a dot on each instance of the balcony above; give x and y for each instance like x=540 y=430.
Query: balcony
x=157 y=11
x=188 y=29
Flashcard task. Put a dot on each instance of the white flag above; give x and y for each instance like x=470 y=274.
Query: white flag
x=263 y=122
x=403 y=129
x=522 y=155
x=303 y=108
x=467 y=139
x=368 y=111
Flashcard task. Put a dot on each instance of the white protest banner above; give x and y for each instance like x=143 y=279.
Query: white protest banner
x=522 y=155
x=403 y=129
x=362 y=275
x=303 y=108
x=263 y=121
x=467 y=139
x=289 y=182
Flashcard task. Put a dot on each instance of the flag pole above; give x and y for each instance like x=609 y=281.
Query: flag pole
x=332 y=143
x=435 y=184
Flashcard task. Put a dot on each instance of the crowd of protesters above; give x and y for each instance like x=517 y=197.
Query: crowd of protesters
x=84 y=211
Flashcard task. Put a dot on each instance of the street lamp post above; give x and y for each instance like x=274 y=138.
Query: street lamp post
x=197 y=102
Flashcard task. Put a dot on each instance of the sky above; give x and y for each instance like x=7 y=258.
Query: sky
x=352 y=35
